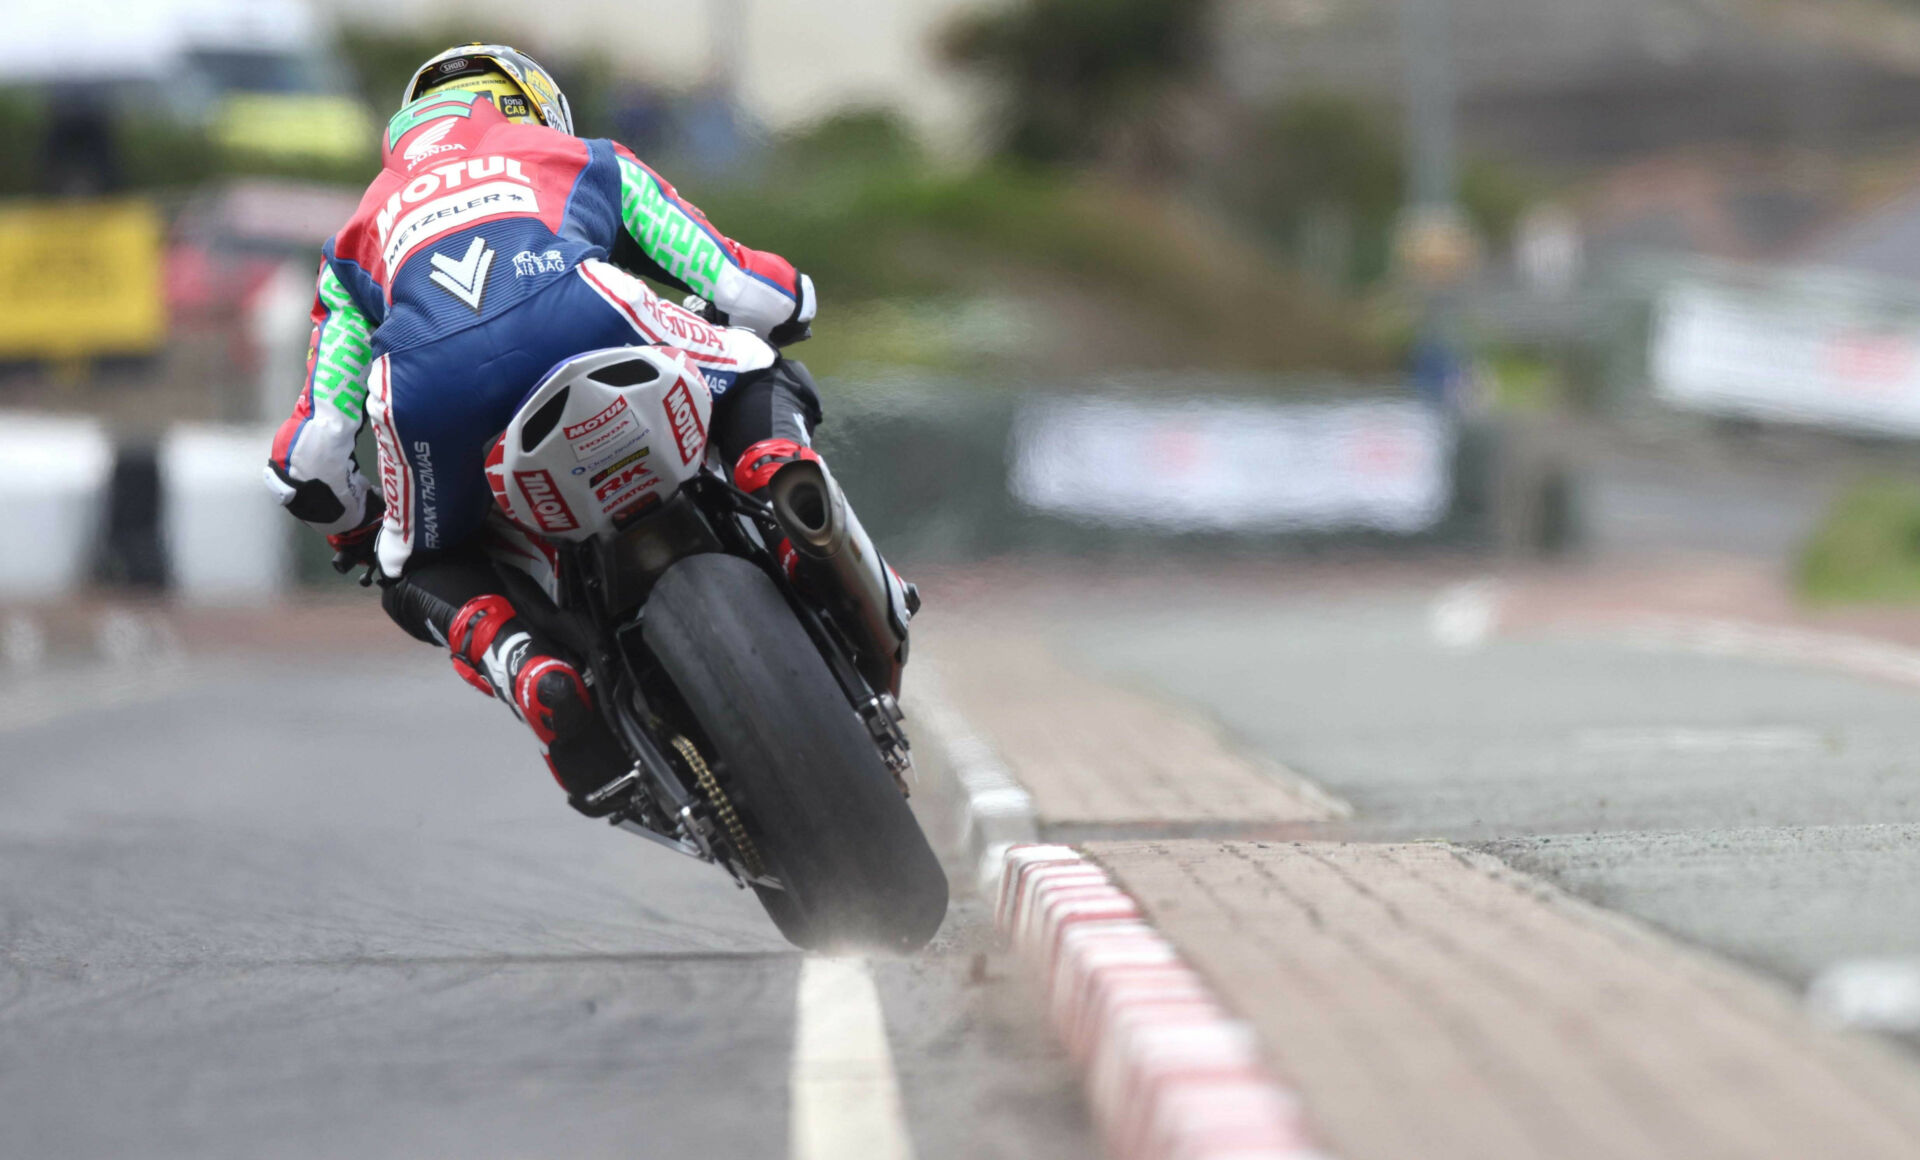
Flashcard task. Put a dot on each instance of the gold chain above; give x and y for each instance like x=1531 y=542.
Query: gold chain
x=729 y=818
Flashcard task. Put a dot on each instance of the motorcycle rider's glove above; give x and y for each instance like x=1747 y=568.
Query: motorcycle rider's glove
x=799 y=326
x=705 y=309
x=355 y=549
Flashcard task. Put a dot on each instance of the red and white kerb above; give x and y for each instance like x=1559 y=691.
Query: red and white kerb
x=1169 y=1073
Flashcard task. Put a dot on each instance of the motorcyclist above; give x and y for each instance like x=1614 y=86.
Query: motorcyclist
x=491 y=247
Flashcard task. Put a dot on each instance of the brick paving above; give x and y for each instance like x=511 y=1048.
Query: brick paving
x=1429 y=1001
x=1091 y=753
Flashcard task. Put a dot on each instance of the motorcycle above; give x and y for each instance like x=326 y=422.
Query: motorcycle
x=757 y=696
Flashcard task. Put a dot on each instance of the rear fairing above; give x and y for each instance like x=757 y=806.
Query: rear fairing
x=605 y=437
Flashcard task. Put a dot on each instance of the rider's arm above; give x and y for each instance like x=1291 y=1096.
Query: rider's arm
x=312 y=469
x=677 y=245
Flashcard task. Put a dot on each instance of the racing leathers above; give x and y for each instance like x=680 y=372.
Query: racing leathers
x=484 y=253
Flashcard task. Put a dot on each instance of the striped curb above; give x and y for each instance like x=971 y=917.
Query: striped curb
x=1170 y=1075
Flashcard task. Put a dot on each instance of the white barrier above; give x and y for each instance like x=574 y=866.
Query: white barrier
x=227 y=540
x=1235 y=465
x=1833 y=350
x=51 y=497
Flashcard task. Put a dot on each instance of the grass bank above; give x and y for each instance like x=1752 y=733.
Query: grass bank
x=1867 y=550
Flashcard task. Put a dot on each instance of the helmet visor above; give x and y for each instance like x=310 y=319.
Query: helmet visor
x=538 y=99
x=507 y=95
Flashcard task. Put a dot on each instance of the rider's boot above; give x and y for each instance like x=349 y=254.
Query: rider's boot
x=501 y=656
x=829 y=554
x=755 y=471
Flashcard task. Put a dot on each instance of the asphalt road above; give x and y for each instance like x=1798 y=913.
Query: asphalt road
x=1766 y=810
x=283 y=905
x=289 y=903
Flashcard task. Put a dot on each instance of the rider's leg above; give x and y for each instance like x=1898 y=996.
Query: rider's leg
x=440 y=587
x=764 y=424
x=456 y=599
x=765 y=421
x=434 y=410
x=778 y=403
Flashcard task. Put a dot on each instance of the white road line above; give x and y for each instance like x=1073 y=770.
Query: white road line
x=1463 y=616
x=1711 y=741
x=1763 y=642
x=1873 y=994
x=845 y=1097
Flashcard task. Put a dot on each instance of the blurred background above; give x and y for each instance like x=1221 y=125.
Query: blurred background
x=1486 y=410
x=1125 y=277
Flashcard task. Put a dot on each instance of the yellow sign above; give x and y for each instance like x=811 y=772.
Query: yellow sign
x=293 y=126
x=80 y=279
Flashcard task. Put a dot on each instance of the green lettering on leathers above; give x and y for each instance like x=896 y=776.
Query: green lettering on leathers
x=343 y=351
x=671 y=237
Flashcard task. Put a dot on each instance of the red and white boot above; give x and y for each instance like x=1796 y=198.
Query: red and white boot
x=755 y=471
x=496 y=654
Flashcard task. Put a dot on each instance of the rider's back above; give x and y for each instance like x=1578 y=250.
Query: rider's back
x=471 y=214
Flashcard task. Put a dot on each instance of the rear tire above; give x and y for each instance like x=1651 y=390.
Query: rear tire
x=828 y=818
x=786 y=915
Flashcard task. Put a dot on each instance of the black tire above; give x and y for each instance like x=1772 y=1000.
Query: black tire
x=786 y=915
x=829 y=820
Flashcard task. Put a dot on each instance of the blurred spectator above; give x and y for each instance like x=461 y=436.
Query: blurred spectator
x=78 y=154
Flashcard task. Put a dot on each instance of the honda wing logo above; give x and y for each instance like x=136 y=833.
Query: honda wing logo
x=428 y=144
x=465 y=279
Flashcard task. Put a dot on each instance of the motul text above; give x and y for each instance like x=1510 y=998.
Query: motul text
x=549 y=510
x=686 y=422
x=602 y=419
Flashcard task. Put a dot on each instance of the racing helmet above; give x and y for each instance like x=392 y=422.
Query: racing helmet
x=520 y=88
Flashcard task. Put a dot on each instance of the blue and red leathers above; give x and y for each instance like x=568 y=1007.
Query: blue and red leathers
x=477 y=260
x=482 y=255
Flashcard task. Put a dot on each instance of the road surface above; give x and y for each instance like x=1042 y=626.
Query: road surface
x=292 y=901
x=306 y=897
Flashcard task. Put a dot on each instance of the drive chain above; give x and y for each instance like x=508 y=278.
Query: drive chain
x=722 y=807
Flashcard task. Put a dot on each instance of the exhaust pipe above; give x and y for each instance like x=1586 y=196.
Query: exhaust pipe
x=840 y=563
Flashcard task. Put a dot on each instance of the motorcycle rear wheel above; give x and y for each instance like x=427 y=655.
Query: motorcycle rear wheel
x=827 y=816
